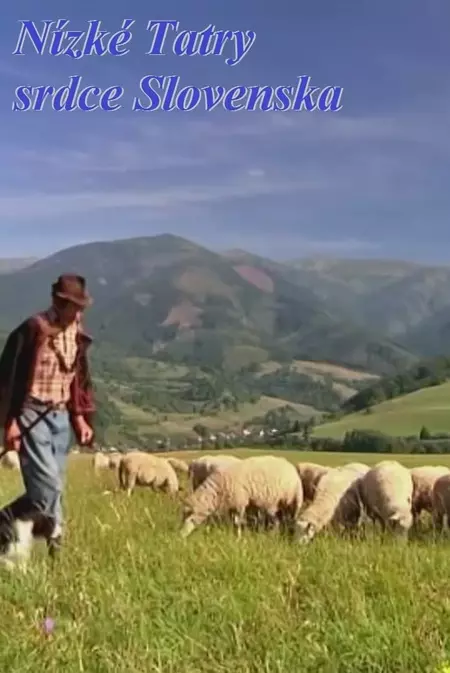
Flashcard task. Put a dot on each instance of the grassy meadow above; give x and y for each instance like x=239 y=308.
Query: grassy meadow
x=401 y=416
x=128 y=595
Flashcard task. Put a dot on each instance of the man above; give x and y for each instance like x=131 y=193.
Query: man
x=45 y=389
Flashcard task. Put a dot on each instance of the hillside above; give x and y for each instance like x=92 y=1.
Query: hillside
x=404 y=301
x=167 y=297
x=425 y=373
x=402 y=416
x=149 y=398
x=183 y=332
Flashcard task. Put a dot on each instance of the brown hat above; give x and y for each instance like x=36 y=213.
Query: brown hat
x=72 y=288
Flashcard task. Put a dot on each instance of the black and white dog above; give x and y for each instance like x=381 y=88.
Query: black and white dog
x=17 y=535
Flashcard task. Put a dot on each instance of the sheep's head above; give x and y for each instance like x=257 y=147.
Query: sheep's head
x=304 y=531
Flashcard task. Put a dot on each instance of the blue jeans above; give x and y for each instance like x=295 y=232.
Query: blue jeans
x=43 y=461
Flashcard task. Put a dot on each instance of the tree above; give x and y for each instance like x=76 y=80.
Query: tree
x=424 y=433
x=201 y=430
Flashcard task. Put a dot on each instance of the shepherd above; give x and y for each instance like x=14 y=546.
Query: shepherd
x=45 y=391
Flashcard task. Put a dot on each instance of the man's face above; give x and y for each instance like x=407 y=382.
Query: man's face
x=68 y=312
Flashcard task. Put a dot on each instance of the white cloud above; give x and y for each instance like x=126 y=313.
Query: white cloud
x=256 y=172
x=40 y=205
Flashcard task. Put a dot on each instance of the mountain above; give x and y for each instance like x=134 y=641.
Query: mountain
x=183 y=332
x=169 y=298
x=8 y=264
x=405 y=301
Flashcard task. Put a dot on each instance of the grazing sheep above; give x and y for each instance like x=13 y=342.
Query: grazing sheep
x=267 y=484
x=310 y=474
x=424 y=479
x=440 y=498
x=178 y=465
x=10 y=460
x=145 y=469
x=114 y=460
x=201 y=468
x=359 y=467
x=100 y=461
x=386 y=492
x=336 y=502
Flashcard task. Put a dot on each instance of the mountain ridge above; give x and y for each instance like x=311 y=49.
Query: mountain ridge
x=168 y=296
x=184 y=333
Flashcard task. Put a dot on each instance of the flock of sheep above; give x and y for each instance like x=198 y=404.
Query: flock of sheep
x=303 y=499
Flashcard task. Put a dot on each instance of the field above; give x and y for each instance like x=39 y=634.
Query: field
x=129 y=596
x=401 y=416
x=173 y=423
x=342 y=377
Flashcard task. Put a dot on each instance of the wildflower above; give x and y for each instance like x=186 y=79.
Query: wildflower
x=48 y=626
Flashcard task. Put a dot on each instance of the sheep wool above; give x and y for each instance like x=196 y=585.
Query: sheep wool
x=178 y=465
x=310 y=474
x=11 y=461
x=114 y=460
x=359 y=467
x=267 y=483
x=424 y=479
x=202 y=467
x=145 y=469
x=336 y=502
x=100 y=461
x=440 y=498
x=386 y=492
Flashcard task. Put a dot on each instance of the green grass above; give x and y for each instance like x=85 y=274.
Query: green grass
x=401 y=416
x=129 y=596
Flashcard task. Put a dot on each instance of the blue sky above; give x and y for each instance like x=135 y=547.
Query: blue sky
x=370 y=180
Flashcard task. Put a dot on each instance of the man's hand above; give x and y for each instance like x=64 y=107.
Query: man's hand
x=12 y=439
x=84 y=431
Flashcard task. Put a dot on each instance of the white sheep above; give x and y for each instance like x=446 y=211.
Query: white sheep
x=386 y=492
x=336 y=502
x=440 y=499
x=178 y=465
x=100 y=461
x=201 y=468
x=424 y=479
x=267 y=484
x=114 y=460
x=11 y=460
x=310 y=473
x=145 y=469
x=359 y=467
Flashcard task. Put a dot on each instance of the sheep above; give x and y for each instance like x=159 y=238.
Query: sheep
x=114 y=460
x=424 y=479
x=359 y=467
x=440 y=499
x=386 y=492
x=99 y=461
x=266 y=483
x=201 y=468
x=10 y=460
x=336 y=502
x=310 y=474
x=178 y=465
x=144 y=469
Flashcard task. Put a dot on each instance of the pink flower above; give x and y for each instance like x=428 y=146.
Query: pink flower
x=49 y=625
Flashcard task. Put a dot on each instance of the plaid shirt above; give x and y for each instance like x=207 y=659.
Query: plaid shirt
x=52 y=379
